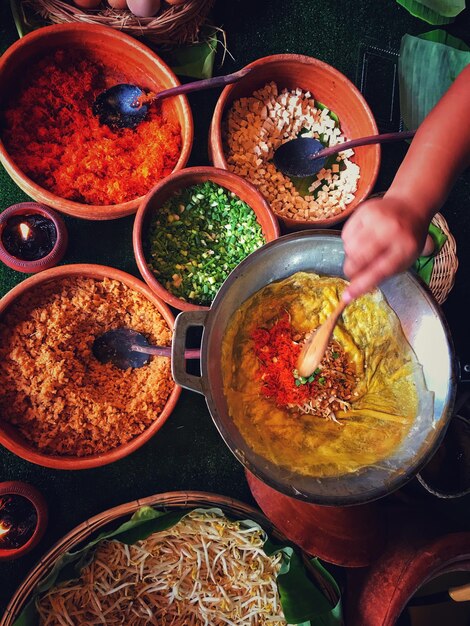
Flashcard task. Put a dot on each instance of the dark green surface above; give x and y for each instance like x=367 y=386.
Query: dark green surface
x=188 y=453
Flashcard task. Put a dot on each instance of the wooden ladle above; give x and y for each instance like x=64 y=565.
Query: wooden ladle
x=315 y=346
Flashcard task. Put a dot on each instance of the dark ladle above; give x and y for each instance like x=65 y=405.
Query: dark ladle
x=125 y=348
x=306 y=156
x=125 y=106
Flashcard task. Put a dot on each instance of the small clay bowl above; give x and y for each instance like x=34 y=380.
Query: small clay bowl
x=19 y=488
x=130 y=60
x=329 y=87
x=176 y=182
x=44 y=263
x=10 y=436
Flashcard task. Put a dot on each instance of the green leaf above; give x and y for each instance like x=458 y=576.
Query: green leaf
x=441 y=36
x=302 y=184
x=195 y=60
x=25 y=20
x=425 y=264
x=435 y=12
x=427 y=67
x=302 y=601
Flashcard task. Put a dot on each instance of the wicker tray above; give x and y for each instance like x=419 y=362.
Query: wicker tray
x=170 y=500
x=445 y=263
x=173 y=25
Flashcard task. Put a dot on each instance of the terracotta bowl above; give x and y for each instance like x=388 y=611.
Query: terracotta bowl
x=55 y=255
x=11 y=438
x=15 y=487
x=129 y=59
x=329 y=87
x=174 y=183
x=380 y=596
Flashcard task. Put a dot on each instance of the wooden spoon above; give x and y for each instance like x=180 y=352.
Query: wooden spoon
x=315 y=346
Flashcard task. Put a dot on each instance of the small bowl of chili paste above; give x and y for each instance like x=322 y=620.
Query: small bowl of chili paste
x=23 y=519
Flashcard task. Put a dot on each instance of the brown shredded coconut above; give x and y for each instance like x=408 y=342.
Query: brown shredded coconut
x=58 y=395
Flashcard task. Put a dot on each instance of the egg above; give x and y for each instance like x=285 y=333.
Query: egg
x=176 y=3
x=118 y=4
x=87 y=4
x=144 y=8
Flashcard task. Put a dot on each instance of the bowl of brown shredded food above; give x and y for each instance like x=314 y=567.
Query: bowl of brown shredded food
x=57 y=150
x=60 y=407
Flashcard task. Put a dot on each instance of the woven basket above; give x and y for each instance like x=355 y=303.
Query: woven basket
x=114 y=516
x=173 y=25
x=445 y=263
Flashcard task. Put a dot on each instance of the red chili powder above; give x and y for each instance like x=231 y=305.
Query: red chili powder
x=277 y=354
x=50 y=131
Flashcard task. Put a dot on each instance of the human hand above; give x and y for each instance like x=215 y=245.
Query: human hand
x=384 y=236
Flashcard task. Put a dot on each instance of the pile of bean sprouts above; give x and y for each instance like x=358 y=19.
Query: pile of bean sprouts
x=204 y=571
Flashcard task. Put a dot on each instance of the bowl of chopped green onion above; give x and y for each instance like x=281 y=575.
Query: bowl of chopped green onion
x=194 y=228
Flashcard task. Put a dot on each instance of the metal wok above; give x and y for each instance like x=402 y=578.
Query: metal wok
x=423 y=324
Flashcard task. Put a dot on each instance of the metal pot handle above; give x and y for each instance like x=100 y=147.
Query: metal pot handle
x=463 y=372
x=184 y=321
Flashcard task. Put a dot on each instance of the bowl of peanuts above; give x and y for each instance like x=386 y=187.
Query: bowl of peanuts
x=287 y=96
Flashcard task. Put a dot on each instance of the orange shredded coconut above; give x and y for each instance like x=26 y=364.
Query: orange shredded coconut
x=52 y=134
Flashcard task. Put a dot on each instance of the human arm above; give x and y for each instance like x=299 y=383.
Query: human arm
x=384 y=236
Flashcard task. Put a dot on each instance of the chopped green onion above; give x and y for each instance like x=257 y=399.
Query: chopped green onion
x=198 y=237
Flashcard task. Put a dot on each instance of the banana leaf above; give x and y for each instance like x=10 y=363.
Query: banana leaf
x=427 y=66
x=435 y=12
x=194 y=61
x=425 y=264
x=302 y=601
x=25 y=21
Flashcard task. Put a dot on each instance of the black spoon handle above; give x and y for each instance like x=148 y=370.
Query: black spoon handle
x=165 y=351
x=362 y=141
x=206 y=83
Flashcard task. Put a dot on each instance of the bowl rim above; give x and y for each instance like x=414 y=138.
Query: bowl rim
x=71 y=207
x=27 y=451
x=20 y=488
x=216 y=150
x=216 y=175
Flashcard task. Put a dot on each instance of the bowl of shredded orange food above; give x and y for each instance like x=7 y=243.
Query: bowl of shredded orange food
x=60 y=406
x=56 y=149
